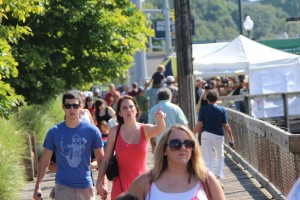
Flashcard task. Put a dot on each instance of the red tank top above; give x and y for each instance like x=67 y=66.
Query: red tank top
x=132 y=161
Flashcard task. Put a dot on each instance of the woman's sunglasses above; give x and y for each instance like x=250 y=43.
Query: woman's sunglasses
x=68 y=105
x=175 y=144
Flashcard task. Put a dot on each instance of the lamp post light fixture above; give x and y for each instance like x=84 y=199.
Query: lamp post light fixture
x=248 y=25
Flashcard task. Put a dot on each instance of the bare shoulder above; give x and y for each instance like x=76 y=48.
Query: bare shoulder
x=214 y=185
x=140 y=185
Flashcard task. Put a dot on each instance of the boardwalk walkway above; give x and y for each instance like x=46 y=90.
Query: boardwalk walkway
x=238 y=184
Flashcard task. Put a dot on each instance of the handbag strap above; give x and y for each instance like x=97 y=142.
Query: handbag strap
x=118 y=130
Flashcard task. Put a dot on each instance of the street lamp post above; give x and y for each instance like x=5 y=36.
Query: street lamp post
x=240 y=17
x=248 y=25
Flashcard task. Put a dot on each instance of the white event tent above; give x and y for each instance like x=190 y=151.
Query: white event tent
x=269 y=70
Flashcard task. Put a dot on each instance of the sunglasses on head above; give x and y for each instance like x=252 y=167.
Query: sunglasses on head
x=74 y=105
x=175 y=144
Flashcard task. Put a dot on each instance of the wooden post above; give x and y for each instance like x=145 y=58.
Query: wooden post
x=28 y=161
x=184 y=59
x=286 y=111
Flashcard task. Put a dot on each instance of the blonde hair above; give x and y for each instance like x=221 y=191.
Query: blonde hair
x=195 y=165
x=160 y=68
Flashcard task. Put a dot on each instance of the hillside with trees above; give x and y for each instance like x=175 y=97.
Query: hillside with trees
x=219 y=19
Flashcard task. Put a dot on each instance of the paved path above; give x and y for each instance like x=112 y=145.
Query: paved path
x=238 y=183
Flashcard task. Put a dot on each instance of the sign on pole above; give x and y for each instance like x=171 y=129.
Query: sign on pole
x=159 y=27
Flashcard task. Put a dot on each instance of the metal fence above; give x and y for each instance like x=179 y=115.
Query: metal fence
x=269 y=153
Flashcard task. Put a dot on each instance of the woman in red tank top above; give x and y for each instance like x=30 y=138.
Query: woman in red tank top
x=131 y=146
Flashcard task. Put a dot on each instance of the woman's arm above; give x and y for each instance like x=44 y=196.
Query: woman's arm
x=104 y=163
x=198 y=127
x=90 y=116
x=111 y=111
x=154 y=130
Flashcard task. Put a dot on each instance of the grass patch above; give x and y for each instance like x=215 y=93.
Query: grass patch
x=12 y=148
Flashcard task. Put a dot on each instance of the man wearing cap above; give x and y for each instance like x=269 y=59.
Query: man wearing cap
x=174 y=89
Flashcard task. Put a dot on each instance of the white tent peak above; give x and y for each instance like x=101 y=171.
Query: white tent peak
x=240 y=55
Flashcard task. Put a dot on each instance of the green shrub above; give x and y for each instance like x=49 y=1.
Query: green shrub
x=12 y=148
x=39 y=118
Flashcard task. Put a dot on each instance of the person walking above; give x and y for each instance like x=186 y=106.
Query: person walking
x=158 y=77
x=131 y=146
x=178 y=172
x=109 y=97
x=174 y=114
x=102 y=112
x=211 y=121
x=73 y=141
x=143 y=103
x=170 y=81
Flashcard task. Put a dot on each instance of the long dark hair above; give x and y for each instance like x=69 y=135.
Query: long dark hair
x=98 y=103
x=138 y=110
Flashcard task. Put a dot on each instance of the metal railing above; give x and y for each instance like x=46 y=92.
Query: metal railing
x=287 y=121
x=269 y=153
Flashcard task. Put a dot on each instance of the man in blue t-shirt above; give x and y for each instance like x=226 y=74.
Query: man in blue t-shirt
x=73 y=141
x=211 y=121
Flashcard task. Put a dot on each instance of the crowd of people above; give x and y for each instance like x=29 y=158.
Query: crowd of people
x=124 y=121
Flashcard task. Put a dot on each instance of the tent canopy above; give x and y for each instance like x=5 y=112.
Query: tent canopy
x=241 y=55
x=270 y=71
x=199 y=51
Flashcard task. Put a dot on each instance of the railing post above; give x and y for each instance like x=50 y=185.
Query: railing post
x=28 y=161
x=248 y=104
x=286 y=111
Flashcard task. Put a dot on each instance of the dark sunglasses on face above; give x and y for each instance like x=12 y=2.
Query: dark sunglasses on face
x=68 y=105
x=175 y=144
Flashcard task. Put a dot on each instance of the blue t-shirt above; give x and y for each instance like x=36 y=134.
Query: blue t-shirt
x=73 y=147
x=213 y=117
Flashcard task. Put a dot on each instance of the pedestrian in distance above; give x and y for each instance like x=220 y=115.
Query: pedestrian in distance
x=158 y=77
x=102 y=112
x=174 y=113
x=170 y=81
x=179 y=172
x=143 y=103
x=131 y=146
x=89 y=104
x=211 y=121
x=73 y=141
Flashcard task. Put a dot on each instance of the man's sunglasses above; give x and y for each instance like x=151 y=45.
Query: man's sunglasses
x=68 y=105
x=175 y=145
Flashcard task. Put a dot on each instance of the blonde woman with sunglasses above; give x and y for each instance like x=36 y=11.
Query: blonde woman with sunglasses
x=179 y=172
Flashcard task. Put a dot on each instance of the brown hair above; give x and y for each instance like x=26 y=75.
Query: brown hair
x=138 y=110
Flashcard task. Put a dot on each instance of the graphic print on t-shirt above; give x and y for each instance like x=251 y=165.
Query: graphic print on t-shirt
x=73 y=151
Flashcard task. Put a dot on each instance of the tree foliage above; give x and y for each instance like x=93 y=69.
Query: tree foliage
x=78 y=42
x=15 y=11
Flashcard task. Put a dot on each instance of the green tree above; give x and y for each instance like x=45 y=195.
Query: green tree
x=17 y=12
x=78 y=42
x=291 y=7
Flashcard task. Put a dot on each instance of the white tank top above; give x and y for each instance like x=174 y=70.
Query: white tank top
x=196 y=193
x=85 y=117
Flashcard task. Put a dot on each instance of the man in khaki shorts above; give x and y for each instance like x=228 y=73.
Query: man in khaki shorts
x=73 y=141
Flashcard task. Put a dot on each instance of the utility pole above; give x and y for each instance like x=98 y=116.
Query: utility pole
x=184 y=59
x=168 y=29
